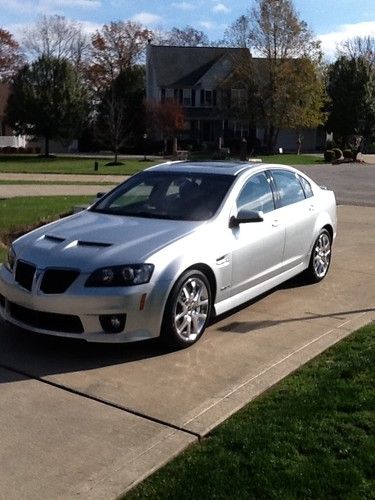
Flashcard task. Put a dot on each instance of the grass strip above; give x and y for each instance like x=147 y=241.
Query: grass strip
x=311 y=436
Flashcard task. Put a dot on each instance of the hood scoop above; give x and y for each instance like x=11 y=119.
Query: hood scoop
x=81 y=243
x=54 y=239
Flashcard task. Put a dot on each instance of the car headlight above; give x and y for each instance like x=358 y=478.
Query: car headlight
x=10 y=259
x=128 y=275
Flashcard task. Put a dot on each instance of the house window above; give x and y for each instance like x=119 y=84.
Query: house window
x=240 y=128
x=238 y=98
x=187 y=101
x=169 y=93
x=208 y=98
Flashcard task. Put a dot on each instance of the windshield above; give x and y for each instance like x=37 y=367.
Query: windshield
x=167 y=195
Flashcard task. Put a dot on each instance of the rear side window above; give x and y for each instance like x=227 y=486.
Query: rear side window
x=289 y=187
x=306 y=187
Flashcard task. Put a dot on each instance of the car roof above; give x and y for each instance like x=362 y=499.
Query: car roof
x=208 y=167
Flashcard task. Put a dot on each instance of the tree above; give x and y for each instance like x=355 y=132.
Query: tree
x=351 y=88
x=359 y=47
x=121 y=109
x=115 y=48
x=238 y=33
x=48 y=100
x=11 y=58
x=168 y=118
x=289 y=84
x=57 y=37
x=185 y=37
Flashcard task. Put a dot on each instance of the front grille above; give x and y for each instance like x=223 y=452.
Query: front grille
x=57 y=280
x=46 y=321
x=25 y=274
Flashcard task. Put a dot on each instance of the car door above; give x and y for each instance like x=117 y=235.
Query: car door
x=296 y=210
x=257 y=247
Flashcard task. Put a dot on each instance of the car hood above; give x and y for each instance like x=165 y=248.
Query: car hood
x=89 y=240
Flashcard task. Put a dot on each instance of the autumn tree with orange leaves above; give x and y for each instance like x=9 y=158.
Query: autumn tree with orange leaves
x=11 y=58
x=168 y=118
x=118 y=46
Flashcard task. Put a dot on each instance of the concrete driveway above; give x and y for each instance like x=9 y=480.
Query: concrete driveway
x=92 y=420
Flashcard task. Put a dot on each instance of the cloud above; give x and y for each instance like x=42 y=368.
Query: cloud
x=220 y=7
x=79 y=4
x=146 y=18
x=345 y=32
x=183 y=5
x=89 y=28
x=49 y=7
x=209 y=25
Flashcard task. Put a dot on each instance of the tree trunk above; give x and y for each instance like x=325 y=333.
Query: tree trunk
x=175 y=148
x=271 y=138
x=116 y=155
x=46 y=146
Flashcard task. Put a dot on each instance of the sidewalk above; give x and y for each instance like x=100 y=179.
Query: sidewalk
x=90 y=421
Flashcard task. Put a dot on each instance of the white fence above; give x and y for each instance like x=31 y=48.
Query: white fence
x=13 y=141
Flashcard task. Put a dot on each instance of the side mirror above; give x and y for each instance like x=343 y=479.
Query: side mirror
x=100 y=195
x=245 y=216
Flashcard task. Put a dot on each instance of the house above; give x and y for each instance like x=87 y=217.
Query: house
x=213 y=99
x=7 y=137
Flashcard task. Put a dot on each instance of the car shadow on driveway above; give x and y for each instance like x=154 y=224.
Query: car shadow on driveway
x=39 y=355
x=30 y=354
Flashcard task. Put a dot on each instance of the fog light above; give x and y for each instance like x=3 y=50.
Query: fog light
x=112 y=323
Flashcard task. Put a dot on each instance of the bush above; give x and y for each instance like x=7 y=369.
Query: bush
x=329 y=155
x=348 y=153
x=337 y=152
x=221 y=154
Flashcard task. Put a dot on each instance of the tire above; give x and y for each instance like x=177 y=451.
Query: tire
x=320 y=259
x=187 y=311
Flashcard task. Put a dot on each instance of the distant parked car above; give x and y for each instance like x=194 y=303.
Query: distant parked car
x=168 y=248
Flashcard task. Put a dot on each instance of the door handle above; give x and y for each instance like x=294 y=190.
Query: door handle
x=275 y=223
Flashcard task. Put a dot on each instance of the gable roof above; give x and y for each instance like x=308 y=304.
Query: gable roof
x=185 y=66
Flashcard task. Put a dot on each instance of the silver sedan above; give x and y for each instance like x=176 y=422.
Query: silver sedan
x=166 y=250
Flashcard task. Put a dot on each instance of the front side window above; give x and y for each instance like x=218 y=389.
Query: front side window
x=168 y=195
x=256 y=195
x=288 y=186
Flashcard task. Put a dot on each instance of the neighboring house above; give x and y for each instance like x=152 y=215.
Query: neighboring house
x=215 y=104
x=7 y=137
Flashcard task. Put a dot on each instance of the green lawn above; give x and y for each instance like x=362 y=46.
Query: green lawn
x=310 y=437
x=54 y=183
x=293 y=159
x=18 y=214
x=65 y=165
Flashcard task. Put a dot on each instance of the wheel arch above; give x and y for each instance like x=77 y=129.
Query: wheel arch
x=210 y=275
x=329 y=228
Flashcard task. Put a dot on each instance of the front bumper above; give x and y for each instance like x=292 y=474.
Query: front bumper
x=81 y=305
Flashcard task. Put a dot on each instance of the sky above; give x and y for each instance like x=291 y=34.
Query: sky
x=331 y=20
